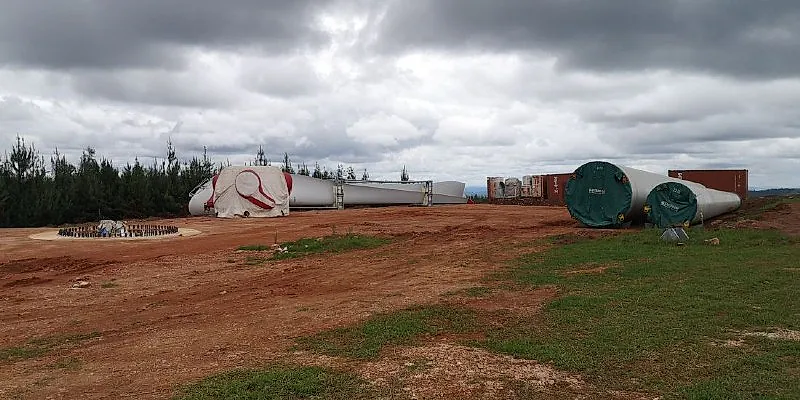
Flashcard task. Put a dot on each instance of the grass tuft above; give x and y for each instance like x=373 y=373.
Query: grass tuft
x=649 y=322
x=40 y=346
x=366 y=339
x=328 y=244
x=477 y=291
x=278 y=382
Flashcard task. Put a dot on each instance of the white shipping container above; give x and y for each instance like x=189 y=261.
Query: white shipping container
x=511 y=192
x=512 y=188
x=527 y=180
x=537 y=186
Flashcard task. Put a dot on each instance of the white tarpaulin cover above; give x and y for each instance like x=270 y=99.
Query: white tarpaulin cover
x=252 y=192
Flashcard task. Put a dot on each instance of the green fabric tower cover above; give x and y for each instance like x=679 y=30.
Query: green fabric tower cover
x=671 y=204
x=599 y=195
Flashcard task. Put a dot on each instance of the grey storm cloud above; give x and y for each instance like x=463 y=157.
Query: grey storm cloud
x=108 y=34
x=322 y=142
x=460 y=88
x=748 y=39
x=143 y=88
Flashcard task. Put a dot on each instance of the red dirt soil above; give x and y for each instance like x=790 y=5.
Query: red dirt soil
x=173 y=311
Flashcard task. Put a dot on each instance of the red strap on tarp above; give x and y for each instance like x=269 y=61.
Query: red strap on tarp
x=288 y=178
x=210 y=201
x=252 y=199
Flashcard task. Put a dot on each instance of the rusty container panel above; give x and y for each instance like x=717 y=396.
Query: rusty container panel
x=525 y=191
x=494 y=187
x=512 y=188
x=556 y=185
x=537 y=186
x=726 y=180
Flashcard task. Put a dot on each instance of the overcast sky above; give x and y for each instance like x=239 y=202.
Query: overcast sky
x=454 y=89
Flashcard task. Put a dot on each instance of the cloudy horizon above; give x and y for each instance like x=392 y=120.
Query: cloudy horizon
x=452 y=89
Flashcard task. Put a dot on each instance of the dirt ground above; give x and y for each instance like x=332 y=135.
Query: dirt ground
x=774 y=212
x=173 y=311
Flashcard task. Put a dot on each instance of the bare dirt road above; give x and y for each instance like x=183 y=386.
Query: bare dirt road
x=168 y=312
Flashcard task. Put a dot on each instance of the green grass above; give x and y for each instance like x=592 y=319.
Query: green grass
x=21 y=353
x=328 y=244
x=335 y=243
x=653 y=320
x=366 y=339
x=38 y=347
x=278 y=382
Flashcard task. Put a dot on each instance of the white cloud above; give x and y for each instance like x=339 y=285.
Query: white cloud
x=383 y=130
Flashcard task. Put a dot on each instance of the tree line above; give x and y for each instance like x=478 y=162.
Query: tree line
x=35 y=191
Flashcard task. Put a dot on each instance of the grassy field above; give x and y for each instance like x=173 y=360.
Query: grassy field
x=278 y=382
x=639 y=314
x=365 y=340
x=633 y=313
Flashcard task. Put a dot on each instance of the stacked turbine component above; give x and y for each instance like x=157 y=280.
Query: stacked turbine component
x=265 y=191
x=672 y=204
x=605 y=195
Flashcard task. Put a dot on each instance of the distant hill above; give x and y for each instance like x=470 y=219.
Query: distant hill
x=475 y=190
x=773 y=192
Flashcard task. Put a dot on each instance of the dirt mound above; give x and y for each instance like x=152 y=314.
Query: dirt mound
x=53 y=264
x=782 y=216
x=33 y=280
x=448 y=371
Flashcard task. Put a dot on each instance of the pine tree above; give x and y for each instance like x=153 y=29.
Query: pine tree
x=88 y=186
x=24 y=161
x=365 y=175
x=5 y=181
x=287 y=164
x=351 y=173
x=25 y=177
x=317 y=172
x=173 y=195
x=63 y=197
x=30 y=195
x=404 y=175
x=261 y=159
x=340 y=172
